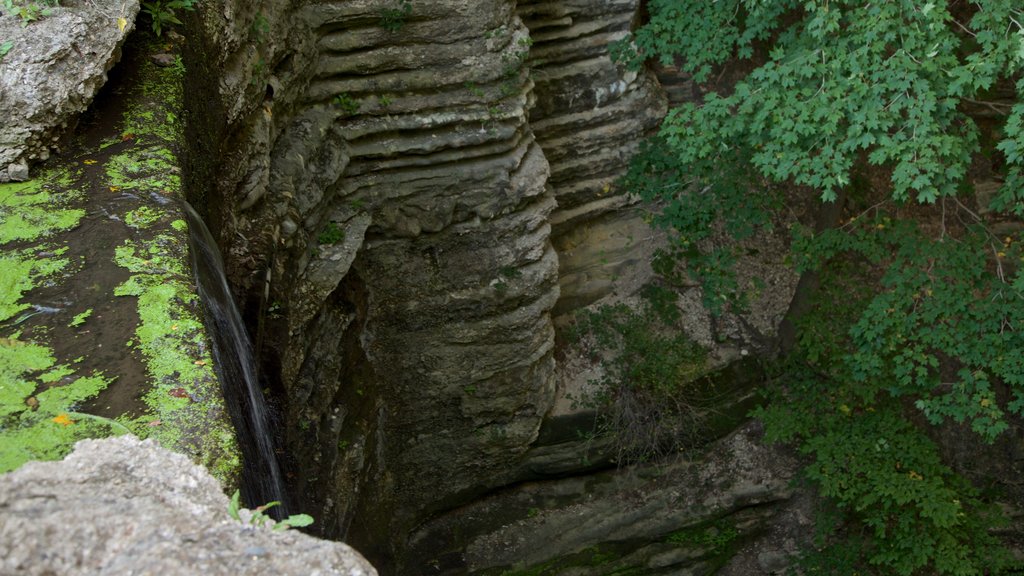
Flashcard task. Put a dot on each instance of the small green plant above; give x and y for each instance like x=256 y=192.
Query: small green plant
x=5 y=47
x=331 y=234
x=259 y=70
x=347 y=103
x=162 y=12
x=384 y=101
x=716 y=538
x=28 y=11
x=392 y=19
x=258 y=517
x=260 y=27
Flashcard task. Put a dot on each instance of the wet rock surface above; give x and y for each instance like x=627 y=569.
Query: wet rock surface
x=124 y=506
x=54 y=67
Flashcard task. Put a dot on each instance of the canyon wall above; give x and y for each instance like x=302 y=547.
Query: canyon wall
x=408 y=193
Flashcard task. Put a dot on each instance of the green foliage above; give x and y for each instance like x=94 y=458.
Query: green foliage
x=646 y=399
x=911 y=512
x=331 y=234
x=920 y=307
x=5 y=47
x=392 y=19
x=259 y=518
x=657 y=174
x=840 y=81
x=162 y=13
x=899 y=316
x=28 y=11
x=347 y=103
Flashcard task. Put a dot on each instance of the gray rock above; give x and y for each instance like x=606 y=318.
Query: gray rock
x=18 y=171
x=589 y=117
x=163 y=60
x=55 y=67
x=125 y=506
x=737 y=485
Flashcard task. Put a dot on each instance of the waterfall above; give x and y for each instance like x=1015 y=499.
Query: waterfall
x=235 y=364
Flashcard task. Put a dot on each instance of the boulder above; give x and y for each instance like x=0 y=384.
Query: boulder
x=125 y=506
x=54 y=67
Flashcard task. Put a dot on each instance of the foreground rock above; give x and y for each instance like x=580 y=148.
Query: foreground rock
x=124 y=506
x=52 y=70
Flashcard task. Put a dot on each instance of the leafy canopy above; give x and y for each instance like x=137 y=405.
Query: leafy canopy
x=841 y=79
x=921 y=303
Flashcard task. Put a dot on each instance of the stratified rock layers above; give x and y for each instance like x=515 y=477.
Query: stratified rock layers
x=589 y=117
x=401 y=198
x=388 y=214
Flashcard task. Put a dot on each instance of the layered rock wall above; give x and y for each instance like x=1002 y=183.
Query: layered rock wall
x=395 y=210
x=388 y=178
x=589 y=118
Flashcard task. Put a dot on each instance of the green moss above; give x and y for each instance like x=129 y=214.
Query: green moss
x=157 y=84
x=80 y=319
x=143 y=217
x=148 y=169
x=37 y=395
x=184 y=390
x=19 y=273
x=28 y=210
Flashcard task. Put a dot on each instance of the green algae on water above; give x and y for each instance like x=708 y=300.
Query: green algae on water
x=29 y=210
x=36 y=393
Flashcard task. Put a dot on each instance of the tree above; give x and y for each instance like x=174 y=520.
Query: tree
x=866 y=105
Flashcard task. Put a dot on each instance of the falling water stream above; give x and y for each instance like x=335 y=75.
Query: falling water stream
x=235 y=363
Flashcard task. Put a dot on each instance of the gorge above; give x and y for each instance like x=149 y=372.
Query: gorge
x=416 y=202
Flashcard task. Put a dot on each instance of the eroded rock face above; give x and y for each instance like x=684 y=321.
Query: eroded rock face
x=589 y=118
x=686 y=517
x=406 y=193
x=124 y=506
x=54 y=68
x=389 y=174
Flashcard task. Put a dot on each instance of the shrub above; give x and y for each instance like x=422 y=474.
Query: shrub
x=646 y=400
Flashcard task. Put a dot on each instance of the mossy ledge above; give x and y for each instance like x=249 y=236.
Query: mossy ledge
x=95 y=260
